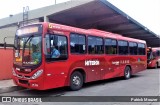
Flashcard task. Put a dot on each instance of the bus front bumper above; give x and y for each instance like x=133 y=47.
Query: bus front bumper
x=29 y=83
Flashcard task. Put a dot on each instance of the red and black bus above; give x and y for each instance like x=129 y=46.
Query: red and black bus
x=83 y=56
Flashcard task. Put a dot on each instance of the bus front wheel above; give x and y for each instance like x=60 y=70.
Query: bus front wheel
x=76 y=81
x=156 y=65
x=127 y=72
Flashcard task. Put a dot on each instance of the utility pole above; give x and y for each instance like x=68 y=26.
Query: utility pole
x=55 y=2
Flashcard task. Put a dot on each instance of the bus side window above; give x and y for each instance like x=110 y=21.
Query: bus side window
x=91 y=45
x=141 y=49
x=110 y=46
x=123 y=47
x=99 y=46
x=158 y=53
x=56 y=48
x=132 y=48
x=95 y=45
x=77 y=44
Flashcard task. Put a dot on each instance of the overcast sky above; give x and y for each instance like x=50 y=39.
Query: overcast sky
x=147 y=12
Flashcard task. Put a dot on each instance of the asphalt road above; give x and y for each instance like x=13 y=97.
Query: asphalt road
x=145 y=83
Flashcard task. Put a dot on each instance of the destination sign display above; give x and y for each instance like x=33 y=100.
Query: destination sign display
x=29 y=30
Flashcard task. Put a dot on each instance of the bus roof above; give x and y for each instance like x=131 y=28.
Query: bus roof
x=155 y=48
x=95 y=32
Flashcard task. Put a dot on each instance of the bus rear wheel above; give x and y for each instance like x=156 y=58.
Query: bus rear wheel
x=76 y=81
x=127 y=72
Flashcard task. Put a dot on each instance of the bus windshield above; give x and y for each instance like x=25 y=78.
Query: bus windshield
x=148 y=55
x=151 y=55
x=28 y=51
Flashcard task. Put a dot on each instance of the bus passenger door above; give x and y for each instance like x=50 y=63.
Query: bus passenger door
x=56 y=55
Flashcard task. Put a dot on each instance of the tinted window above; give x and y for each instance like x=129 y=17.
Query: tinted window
x=99 y=46
x=132 y=48
x=154 y=54
x=158 y=53
x=78 y=43
x=56 y=48
x=123 y=47
x=110 y=46
x=95 y=45
x=141 y=49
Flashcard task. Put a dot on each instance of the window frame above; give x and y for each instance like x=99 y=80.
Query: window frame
x=86 y=48
x=51 y=61
x=144 y=50
x=117 y=52
x=127 y=47
x=158 y=53
x=102 y=44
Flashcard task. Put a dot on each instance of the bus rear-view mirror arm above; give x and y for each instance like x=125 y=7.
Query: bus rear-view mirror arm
x=5 y=44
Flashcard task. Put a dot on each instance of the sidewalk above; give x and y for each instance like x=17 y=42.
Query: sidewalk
x=8 y=86
x=6 y=83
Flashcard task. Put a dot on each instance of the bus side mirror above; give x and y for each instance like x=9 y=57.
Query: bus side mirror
x=9 y=45
x=5 y=45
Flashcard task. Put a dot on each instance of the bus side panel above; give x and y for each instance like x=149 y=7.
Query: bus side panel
x=112 y=66
x=92 y=66
x=56 y=74
x=115 y=65
x=153 y=62
x=142 y=63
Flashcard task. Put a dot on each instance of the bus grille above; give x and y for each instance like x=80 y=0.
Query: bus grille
x=23 y=81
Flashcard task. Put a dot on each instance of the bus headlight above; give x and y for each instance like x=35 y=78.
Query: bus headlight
x=149 y=62
x=37 y=74
x=13 y=72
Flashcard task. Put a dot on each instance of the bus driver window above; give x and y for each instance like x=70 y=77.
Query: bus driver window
x=56 y=47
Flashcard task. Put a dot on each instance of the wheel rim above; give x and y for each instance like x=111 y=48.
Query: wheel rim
x=76 y=80
x=127 y=73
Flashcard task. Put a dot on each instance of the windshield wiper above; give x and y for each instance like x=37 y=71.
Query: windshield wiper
x=24 y=46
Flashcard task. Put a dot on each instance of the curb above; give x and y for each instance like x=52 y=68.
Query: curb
x=10 y=89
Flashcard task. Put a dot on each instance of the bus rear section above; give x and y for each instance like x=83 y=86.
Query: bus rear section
x=153 y=57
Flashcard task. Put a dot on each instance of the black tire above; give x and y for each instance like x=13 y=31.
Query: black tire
x=76 y=81
x=127 y=72
x=156 y=66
